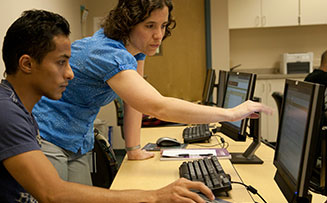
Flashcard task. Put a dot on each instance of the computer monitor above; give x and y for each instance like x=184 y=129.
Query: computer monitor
x=298 y=138
x=240 y=87
x=208 y=87
x=222 y=81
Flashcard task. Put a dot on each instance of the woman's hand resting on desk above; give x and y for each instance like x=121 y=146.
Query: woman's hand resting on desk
x=179 y=191
x=139 y=154
x=249 y=109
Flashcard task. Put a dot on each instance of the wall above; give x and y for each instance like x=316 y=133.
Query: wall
x=97 y=8
x=259 y=48
x=219 y=34
x=219 y=38
x=180 y=70
x=11 y=10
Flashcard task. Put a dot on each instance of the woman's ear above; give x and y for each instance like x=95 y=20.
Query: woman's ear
x=25 y=64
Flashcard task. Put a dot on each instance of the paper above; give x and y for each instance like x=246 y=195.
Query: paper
x=194 y=153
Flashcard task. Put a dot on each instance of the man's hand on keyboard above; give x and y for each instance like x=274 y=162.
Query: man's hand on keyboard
x=179 y=191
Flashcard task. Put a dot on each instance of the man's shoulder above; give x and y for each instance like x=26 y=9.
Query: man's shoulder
x=6 y=100
x=9 y=109
x=317 y=76
x=5 y=93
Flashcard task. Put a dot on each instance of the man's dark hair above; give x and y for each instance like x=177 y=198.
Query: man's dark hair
x=128 y=13
x=32 y=34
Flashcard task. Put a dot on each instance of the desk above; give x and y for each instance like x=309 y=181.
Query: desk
x=153 y=174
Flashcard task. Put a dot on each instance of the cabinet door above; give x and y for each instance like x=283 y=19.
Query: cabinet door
x=280 y=12
x=273 y=120
x=313 y=12
x=244 y=13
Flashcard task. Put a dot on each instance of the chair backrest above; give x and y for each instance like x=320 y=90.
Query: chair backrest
x=278 y=97
x=119 y=111
x=104 y=163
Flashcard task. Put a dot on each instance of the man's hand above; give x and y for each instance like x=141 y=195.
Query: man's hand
x=179 y=191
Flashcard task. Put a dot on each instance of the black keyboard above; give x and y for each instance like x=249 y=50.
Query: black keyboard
x=208 y=171
x=196 y=133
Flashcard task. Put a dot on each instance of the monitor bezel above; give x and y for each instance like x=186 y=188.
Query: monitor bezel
x=229 y=129
x=284 y=180
x=221 y=87
x=209 y=86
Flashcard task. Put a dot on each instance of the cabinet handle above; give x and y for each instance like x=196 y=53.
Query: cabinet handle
x=257 y=21
x=269 y=87
x=263 y=20
x=263 y=87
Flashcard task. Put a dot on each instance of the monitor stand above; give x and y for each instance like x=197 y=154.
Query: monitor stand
x=248 y=157
x=304 y=199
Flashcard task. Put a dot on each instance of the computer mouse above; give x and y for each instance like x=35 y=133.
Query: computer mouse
x=167 y=142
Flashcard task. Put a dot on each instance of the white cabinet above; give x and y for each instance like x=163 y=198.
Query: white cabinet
x=313 y=12
x=244 y=13
x=262 y=13
x=280 y=13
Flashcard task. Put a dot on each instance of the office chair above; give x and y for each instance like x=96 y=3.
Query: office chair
x=278 y=97
x=104 y=162
x=119 y=104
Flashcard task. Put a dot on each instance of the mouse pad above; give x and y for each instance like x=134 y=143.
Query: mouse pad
x=155 y=147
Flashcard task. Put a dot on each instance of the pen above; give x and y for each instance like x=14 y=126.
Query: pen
x=183 y=155
x=205 y=154
x=187 y=155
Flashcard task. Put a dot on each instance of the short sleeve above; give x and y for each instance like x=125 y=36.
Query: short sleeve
x=101 y=58
x=18 y=134
x=140 y=57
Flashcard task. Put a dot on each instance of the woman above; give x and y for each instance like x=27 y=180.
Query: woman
x=110 y=64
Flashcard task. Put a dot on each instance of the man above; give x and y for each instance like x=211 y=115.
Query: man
x=36 y=51
x=319 y=75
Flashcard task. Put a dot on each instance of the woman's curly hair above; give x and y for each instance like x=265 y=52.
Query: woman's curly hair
x=119 y=22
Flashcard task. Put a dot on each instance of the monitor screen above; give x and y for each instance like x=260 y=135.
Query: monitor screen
x=240 y=87
x=208 y=87
x=222 y=80
x=297 y=139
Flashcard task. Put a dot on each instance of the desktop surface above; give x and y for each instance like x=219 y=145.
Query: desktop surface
x=153 y=174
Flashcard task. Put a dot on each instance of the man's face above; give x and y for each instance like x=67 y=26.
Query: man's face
x=146 y=36
x=51 y=76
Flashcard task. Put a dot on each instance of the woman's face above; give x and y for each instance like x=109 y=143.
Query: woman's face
x=146 y=36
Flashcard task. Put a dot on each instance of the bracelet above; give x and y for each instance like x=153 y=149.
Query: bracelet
x=132 y=148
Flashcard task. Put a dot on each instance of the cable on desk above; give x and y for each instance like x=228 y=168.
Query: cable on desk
x=208 y=145
x=222 y=140
x=251 y=189
x=220 y=143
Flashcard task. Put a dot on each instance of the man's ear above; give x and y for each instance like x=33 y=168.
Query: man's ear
x=25 y=63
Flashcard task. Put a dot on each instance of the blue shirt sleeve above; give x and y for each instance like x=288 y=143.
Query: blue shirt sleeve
x=98 y=59
x=140 y=57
